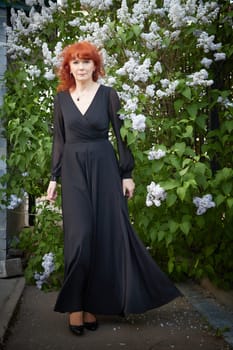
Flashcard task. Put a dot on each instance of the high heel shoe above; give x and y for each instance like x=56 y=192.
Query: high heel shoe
x=77 y=330
x=91 y=326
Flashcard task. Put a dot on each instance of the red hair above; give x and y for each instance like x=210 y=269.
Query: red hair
x=81 y=50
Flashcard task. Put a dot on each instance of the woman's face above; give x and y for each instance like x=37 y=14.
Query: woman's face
x=82 y=69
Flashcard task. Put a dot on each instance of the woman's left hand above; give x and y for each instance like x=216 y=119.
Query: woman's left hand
x=128 y=187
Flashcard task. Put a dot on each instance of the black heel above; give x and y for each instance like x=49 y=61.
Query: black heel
x=77 y=330
x=91 y=326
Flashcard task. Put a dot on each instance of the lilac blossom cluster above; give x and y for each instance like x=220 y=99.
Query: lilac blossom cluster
x=156 y=154
x=97 y=4
x=199 y=79
x=135 y=70
x=155 y=195
x=14 y=202
x=203 y=203
x=169 y=88
x=48 y=266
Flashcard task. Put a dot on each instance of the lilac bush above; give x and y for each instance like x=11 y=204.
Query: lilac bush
x=170 y=62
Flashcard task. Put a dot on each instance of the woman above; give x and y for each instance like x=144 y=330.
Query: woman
x=107 y=269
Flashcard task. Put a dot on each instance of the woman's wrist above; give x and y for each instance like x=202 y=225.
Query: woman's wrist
x=53 y=178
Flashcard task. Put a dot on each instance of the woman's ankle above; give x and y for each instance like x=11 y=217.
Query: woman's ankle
x=89 y=317
x=76 y=318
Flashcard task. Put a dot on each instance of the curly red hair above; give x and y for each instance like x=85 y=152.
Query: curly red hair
x=81 y=50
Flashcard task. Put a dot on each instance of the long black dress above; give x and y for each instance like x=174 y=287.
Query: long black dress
x=107 y=268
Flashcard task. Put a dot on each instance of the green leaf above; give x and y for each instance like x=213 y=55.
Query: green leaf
x=170 y=265
x=187 y=93
x=124 y=132
x=230 y=202
x=209 y=250
x=192 y=110
x=177 y=105
x=136 y=29
x=219 y=199
x=184 y=171
x=201 y=121
x=227 y=187
x=171 y=199
x=188 y=132
x=157 y=165
x=185 y=227
x=161 y=235
x=181 y=191
x=169 y=185
x=131 y=138
x=179 y=148
x=173 y=226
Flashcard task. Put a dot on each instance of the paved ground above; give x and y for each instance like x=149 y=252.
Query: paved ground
x=177 y=325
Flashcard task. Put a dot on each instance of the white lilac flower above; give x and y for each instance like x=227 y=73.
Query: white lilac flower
x=14 y=202
x=75 y=22
x=207 y=42
x=207 y=11
x=138 y=122
x=150 y=90
x=46 y=54
x=141 y=10
x=33 y=71
x=125 y=87
x=94 y=33
x=175 y=35
x=123 y=14
x=176 y=14
x=164 y=83
x=199 y=79
x=131 y=104
x=135 y=70
x=160 y=93
x=155 y=194
x=156 y=154
x=49 y=75
x=158 y=67
x=48 y=266
x=98 y=4
x=153 y=41
x=203 y=203
x=111 y=81
x=25 y=174
x=206 y=62
x=169 y=88
x=152 y=38
x=225 y=102
x=219 y=56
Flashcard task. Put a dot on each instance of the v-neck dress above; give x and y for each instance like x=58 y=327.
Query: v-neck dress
x=107 y=268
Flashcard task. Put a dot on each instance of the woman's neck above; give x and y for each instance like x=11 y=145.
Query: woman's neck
x=84 y=85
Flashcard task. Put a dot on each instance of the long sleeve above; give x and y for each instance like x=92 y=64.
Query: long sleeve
x=126 y=160
x=58 y=140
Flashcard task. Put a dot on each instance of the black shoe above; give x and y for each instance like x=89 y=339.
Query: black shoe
x=77 y=330
x=91 y=326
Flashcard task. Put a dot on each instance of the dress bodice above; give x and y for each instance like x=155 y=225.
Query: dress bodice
x=71 y=126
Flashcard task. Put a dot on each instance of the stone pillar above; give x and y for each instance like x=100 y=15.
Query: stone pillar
x=8 y=267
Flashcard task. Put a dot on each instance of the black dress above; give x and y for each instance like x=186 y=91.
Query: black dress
x=107 y=268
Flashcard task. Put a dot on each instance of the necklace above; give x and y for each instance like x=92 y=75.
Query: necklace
x=84 y=93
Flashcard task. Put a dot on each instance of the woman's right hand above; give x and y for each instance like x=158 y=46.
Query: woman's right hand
x=51 y=191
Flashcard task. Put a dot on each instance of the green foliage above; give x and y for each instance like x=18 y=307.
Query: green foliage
x=193 y=125
x=46 y=236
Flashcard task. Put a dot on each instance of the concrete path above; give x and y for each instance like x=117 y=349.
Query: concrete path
x=10 y=293
x=177 y=325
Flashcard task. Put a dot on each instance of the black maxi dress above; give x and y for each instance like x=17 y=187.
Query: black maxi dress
x=107 y=268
